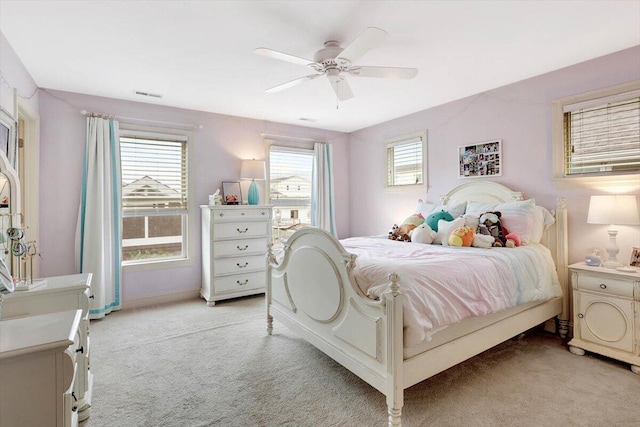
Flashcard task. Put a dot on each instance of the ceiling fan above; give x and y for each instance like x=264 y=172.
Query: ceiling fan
x=335 y=61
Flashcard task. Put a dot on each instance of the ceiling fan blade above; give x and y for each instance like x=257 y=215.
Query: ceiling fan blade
x=283 y=56
x=341 y=88
x=368 y=39
x=292 y=83
x=384 y=72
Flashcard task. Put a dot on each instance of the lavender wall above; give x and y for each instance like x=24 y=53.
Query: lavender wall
x=520 y=115
x=15 y=78
x=218 y=148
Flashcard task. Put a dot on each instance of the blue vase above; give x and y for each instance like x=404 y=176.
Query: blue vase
x=254 y=197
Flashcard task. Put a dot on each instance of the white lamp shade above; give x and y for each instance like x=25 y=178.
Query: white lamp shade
x=252 y=169
x=613 y=209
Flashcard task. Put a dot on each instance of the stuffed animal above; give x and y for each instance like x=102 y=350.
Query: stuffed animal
x=490 y=225
x=461 y=236
x=471 y=221
x=403 y=232
x=513 y=240
x=423 y=234
x=482 y=240
x=434 y=217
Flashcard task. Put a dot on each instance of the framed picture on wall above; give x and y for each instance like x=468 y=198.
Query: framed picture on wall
x=480 y=160
x=8 y=136
x=231 y=193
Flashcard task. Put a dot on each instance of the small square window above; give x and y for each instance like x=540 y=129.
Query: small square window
x=406 y=160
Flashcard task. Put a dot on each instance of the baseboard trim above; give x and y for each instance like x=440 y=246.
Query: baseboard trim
x=131 y=303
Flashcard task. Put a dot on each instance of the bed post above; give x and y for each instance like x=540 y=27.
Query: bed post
x=395 y=385
x=267 y=294
x=562 y=265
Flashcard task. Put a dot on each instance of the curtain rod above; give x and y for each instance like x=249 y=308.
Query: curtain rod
x=270 y=135
x=133 y=120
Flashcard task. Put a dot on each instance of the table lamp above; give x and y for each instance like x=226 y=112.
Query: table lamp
x=253 y=169
x=613 y=210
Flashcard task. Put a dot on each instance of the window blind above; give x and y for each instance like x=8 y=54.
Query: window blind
x=405 y=162
x=290 y=175
x=603 y=137
x=154 y=175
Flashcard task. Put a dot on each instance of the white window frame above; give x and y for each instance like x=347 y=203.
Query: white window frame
x=188 y=239
x=389 y=143
x=613 y=181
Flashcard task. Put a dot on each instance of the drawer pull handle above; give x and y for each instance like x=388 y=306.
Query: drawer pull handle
x=221 y=214
x=241 y=213
x=242 y=231
x=242 y=266
x=603 y=286
x=580 y=315
x=264 y=213
x=80 y=350
x=242 y=283
x=243 y=249
x=92 y=296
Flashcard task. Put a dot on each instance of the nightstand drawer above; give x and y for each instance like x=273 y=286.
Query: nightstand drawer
x=239 y=265
x=239 y=230
x=608 y=285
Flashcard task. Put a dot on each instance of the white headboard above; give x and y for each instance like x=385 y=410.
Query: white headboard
x=481 y=191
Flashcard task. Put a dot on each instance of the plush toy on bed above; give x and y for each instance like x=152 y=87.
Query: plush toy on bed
x=490 y=225
x=403 y=232
x=461 y=236
x=434 y=217
x=513 y=240
x=423 y=234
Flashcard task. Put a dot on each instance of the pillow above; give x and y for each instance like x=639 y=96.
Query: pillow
x=444 y=230
x=433 y=219
x=542 y=219
x=455 y=210
x=425 y=208
x=517 y=217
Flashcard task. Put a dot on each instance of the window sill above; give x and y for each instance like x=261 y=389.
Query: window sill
x=405 y=188
x=612 y=184
x=158 y=264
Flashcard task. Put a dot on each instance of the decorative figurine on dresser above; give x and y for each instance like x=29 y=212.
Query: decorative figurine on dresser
x=234 y=246
x=606 y=312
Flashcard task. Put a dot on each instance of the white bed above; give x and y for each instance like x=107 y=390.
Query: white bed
x=312 y=290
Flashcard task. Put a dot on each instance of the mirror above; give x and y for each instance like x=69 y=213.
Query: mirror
x=9 y=193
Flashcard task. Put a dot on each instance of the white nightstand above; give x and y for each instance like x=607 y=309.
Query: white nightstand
x=606 y=313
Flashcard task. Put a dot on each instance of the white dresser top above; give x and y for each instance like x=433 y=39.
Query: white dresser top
x=55 y=284
x=38 y=333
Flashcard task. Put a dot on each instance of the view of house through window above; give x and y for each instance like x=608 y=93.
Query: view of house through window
x=154 y=196
x=290 y=175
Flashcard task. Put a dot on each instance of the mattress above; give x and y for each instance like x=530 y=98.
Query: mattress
x=443 y=285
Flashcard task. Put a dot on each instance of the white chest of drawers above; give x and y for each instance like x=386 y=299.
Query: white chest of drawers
x=234 y=244
x=38 y=370
x=61 y=293
x=606 y=313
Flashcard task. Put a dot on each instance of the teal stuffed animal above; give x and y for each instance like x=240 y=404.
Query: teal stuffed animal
x=432 y=220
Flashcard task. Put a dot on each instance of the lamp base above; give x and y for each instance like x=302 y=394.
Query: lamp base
x=254 y=197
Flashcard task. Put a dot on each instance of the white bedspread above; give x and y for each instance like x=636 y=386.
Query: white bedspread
x=443 y=285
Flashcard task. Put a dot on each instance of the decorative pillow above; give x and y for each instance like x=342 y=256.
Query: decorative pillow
x=542 y=219
x=455 y=210
x=444 y=230
x=517 y=217
x=425 y=208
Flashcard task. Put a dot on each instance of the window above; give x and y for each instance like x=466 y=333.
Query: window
x=290 y=176
x=406 y=160
x=154 y=196
x=598 y=134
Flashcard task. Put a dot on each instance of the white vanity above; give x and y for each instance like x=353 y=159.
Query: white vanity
x=39 y=364
x=59 y=294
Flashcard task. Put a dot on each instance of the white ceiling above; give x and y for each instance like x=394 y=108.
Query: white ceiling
x=198 y=54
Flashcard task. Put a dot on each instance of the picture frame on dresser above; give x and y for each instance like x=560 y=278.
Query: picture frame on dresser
x=634 y=261
x=231 y=193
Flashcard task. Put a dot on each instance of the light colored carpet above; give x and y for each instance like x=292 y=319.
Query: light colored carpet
x=187 y=365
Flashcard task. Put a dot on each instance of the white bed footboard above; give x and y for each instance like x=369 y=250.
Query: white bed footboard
x=312 y=292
